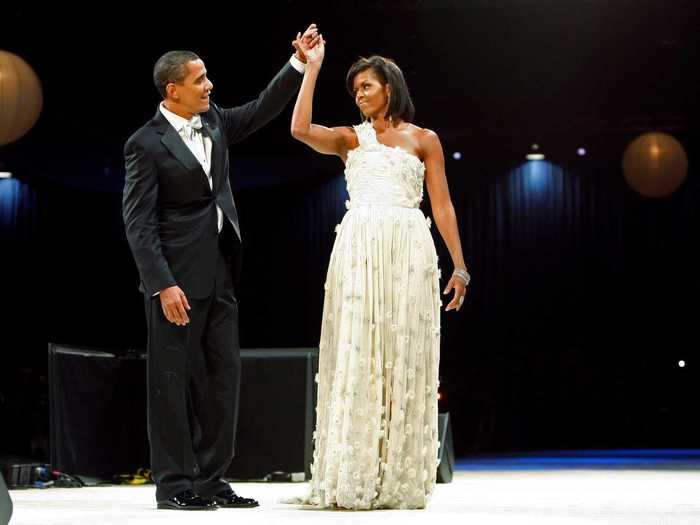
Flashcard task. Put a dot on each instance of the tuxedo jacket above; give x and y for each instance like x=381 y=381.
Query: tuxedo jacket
x=169 y=210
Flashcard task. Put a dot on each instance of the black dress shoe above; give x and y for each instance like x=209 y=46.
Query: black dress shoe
x=187 y=500
x=229 y=499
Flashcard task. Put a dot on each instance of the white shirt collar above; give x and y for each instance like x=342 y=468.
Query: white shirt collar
x=175 y=120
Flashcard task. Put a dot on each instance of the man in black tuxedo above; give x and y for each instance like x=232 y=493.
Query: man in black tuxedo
x=182 y=227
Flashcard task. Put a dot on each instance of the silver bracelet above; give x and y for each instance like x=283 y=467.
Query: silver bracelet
x=462 y=274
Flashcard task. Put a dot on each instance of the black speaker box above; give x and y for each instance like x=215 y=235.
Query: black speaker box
x=97 y=416
x=277 y=416
x=446 y=453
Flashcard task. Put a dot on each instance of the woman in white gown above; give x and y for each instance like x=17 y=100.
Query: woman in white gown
x=376 y=438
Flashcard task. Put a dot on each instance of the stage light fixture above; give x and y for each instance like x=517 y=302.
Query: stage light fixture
x=457 y=155
x=535 y=153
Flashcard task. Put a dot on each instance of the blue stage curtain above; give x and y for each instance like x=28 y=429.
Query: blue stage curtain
x=19 y=210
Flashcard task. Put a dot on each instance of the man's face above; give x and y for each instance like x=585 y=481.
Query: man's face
x=192 y=94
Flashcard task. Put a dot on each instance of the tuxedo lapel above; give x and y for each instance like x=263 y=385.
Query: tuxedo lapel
x=176 y=146
x=211 y=130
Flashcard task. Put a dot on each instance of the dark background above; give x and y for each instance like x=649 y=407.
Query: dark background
x=584 y=294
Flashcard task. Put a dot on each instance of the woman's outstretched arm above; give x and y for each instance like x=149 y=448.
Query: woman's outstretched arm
x=330 y=141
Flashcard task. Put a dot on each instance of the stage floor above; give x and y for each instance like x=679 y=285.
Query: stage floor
x=480 y=494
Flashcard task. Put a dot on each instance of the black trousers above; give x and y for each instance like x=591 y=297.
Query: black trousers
x=193 y=387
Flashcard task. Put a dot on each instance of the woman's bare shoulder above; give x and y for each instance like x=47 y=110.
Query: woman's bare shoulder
x=421 y=133
x=427 y=139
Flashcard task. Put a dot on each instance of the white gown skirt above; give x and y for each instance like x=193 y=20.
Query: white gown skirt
x=376 y=438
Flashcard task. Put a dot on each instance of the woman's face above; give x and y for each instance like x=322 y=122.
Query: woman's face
x=371 y=96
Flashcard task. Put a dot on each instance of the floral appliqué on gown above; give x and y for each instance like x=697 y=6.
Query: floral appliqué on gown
x=376 y=438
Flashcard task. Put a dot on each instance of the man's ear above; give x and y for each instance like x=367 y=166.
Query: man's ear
x=171 y=90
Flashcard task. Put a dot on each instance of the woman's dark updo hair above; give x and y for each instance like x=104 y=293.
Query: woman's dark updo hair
x=400 y=103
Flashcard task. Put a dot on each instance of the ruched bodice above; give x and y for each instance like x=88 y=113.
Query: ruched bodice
x=381 y=175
